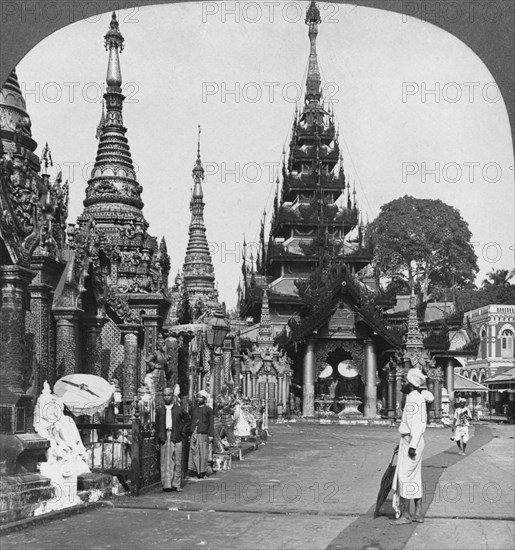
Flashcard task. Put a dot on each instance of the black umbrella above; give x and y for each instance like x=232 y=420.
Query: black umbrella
x=386 y=482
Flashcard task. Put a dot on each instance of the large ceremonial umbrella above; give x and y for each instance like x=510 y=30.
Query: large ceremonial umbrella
x=386 y=482
x=84 y=393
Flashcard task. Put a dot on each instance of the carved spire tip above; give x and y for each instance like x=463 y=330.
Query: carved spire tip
x=313 y=14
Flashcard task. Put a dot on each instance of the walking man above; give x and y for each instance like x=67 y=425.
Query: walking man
x=460 y=425
x=172 y=427
x=202 y=432
x=407 y=481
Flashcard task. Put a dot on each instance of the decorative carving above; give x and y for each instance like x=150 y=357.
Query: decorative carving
x=120 y=307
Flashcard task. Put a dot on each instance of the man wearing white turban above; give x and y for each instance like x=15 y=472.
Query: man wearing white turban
x=407 y=482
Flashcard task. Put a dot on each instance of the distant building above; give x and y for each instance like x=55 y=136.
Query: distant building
x=494 y=325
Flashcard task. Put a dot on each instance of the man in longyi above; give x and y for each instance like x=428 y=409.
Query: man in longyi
x=407 y=482
x=202 y=432
x=172 y=428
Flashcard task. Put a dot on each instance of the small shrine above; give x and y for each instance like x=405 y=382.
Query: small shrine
x=265 y=370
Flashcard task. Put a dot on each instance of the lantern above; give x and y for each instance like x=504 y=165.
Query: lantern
x=218 y=329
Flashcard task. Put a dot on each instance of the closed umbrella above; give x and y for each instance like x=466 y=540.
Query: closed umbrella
x=84 y=393
x=386 y=482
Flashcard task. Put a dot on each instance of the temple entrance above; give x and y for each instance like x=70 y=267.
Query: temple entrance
x=339 y=388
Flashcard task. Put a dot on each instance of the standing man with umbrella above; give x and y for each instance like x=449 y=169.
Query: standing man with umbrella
x=172 y=427
x=407 y=482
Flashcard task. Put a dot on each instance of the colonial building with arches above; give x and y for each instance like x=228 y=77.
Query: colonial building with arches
x=494 y=326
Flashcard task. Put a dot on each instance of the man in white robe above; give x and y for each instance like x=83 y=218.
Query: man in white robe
x=407 y=482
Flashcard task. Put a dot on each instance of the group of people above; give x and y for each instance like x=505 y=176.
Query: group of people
x=407 y=482
x=173 y=428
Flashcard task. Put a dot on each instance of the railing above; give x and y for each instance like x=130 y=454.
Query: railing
x=125 y=450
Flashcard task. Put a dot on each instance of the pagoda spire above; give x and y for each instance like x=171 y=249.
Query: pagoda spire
x=313 y=80
x=113 y=178
x=414 y=339
x=265 y=327
x=198 y=272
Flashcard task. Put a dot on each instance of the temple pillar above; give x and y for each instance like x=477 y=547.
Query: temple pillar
x=391 y=391
x=130 y=360
x=245 y=383
x=39 y=321
x=280 y=390
x=449 y=384
x=253 y=385
x=438 y=395
x=431 y=407
x=93 y=328
x=67 y=350
x=216 y=374
x=150 y=332
x=398 y=393
x=287 y=385
x=308 y=380
x=192 y=387
x=14 y=281
x=370 y=408
x=236 y=365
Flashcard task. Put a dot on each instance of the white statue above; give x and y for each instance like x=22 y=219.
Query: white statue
x=244 y=421
x=66 y=456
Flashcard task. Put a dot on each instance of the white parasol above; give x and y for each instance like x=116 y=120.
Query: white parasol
x=84 y=393
x=346 y=369
x=326 y=372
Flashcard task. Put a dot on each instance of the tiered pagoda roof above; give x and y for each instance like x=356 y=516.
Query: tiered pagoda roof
x=314 y=209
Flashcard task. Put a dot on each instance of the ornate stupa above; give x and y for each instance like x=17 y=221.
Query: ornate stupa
x=312 y=220
x=198 y=277
x=415 y=354
x=266 y=370
x=131 y=261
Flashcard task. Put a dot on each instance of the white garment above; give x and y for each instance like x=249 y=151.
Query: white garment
x=414 y=417
x=462 y=416
x=407 y=481
x=168 y=416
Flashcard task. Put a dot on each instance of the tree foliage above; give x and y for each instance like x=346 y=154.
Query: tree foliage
x=498 y=277
x=467 y=300
x=426 y=242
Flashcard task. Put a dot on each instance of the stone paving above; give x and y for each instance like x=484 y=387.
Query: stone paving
x=310 y=487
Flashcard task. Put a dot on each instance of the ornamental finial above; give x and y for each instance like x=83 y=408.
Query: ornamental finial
x=198 y=170
x=198 y=143
x=113 y=41
x=113 y=37
x=313 y=14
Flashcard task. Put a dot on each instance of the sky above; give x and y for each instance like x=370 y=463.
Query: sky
x=419 y=114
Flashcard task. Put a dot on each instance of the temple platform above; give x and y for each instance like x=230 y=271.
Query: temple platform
x=353 y=422
x=337 y=421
